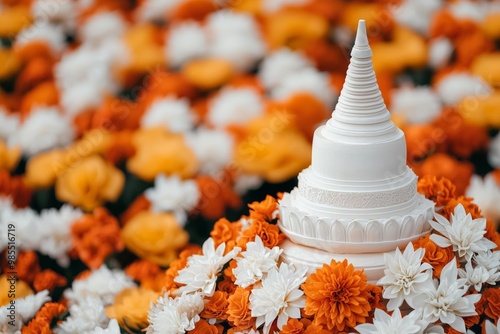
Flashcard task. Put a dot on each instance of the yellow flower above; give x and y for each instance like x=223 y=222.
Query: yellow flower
x=21 y=290
x=42 y=169
x=273 y=149
x=481 y=110
x=131 y=307
x=9 y=157
x=13 y=19
x=89 y=182
x=154 y=236
x=158 y=151
x=486 y=66
x=208 y=73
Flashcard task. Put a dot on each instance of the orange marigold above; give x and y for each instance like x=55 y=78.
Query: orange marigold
x=203 y=327
x=225 y=231
x=48 y=280
x=216 y=306
x=216 y=196
x=226 y=285
x=120 y=147
x=27 y=266
x=316 y=329
x=436 y=256
x=96 y=236
x=492 y=234
x=238 y=311
x=338 y=296
x=149 y=274
x=140 y=204
x=489 y=304
x=15 y=188
x=469 y=207
x=439 y=190
x=269 y=233
x=293 y=326
x=41 y=323
x=264 y=210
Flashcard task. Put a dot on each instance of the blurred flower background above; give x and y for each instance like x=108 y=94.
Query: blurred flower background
x=128 y=128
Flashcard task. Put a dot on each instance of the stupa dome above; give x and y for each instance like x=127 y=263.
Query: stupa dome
x=358 y=197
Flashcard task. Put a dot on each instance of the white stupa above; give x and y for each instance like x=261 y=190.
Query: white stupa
x=358 y=199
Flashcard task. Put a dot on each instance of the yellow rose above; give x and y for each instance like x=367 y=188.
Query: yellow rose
x=158 y=151
x=273 y=149
x=22 y=290
x=89 y=182
x=154 y=236
x=42 y=169
x=9 y=157
x=131 y=307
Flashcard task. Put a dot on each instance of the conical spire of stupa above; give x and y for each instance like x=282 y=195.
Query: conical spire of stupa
x=360 y=114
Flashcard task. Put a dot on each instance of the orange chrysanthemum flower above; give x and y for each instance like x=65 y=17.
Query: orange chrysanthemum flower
x=489 y=304
x=48 y=280
x=216 y=196
x=96 y=236
x=316 y=329
x=264 y=210
x=216 y=307
x=140 y=204
x=15 y=188
x=43 y=319
x=225 y=232
x=226 y=285
x=27 y=266
x=203 y=327
x=270 y=234
x=466 y=202
x=439 y=190
x=338 y=296
x=120 y=147
x=492 y=233
x=436 y=256
x=178 y=264
x=149 y=274
x=293 y=326
x=238 y=311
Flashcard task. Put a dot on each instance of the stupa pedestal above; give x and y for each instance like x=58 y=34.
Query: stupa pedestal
x=358 y=199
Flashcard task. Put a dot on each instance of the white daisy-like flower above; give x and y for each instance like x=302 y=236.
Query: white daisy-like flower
x=213 y=148
x=54 y=232
x=155 y=10
x=307 y=80
x=103 y=284
x=490 y=327
x=111 y=328
x=384 y=323
x=474 y=11
x=416 y=105
x=486 y=194
x=416 y=14
x=271 y=6
x=279 y=297
x=171 y=194
x=493 y=152
x=405 y=276
x=235 y=106
x=279 y=64
x=25 y=221
x=172 y=113
x=246 y=182
x=177 y=51
x=25 y=309
x=62 y=13
x=85 y=316
x=489 y=260
x=478 y=275
x=256 y=262
x=175 y=315
x=465 y=234
x=434 y=329
x=454 y=87
x=235 y=37
x=9 y=123
x=44 y=129
x=440 y=52
x=102 y=27
x=446 y=302
x=201 y=272
x=51 y=34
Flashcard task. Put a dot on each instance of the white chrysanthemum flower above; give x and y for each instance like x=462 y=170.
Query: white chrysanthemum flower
x=454 y=87
x=103 y=284
x=171 y=194
x=391 y=324
x=416 y=105
x=446 y=302
x=155 y=10
x=213 y=148
x=279 y=64
x=246 y=182
x=493 y=153
x=489 y=260
x=235 y=37
x=256 y=262
x=440 y=52
x=307 y=80
x=235 y=106
x=490 y=327
x=478 y=275
x=9 y=123
x=433 y=329
x=57 y=12
x=44 y=129
x=475 y=11
x=85 y=316
x=25 y=309
x=405 y=276
x=177 y=51
x=54 y=232
x=51 y=34
x=416 y=14
x=102 y=27
x=25 y=221
x=271 y=6
x=201 y=272
x=175 y=315
x=465 y=234
x=486 y=194
x=171 y=113
x=278 y=297
x=111 y=328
